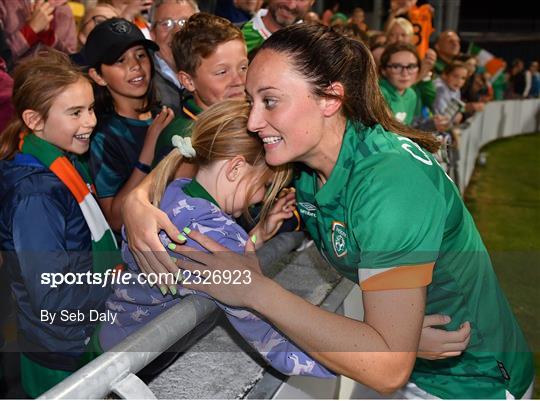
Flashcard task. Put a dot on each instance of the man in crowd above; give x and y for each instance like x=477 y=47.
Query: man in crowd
x=279 y=14
x=448 y=47
x=169 y=17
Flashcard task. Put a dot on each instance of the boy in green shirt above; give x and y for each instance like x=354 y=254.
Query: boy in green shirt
x=211 y=58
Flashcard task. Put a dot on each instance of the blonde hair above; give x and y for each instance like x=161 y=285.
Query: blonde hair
x=221 y=133
x=404 y=24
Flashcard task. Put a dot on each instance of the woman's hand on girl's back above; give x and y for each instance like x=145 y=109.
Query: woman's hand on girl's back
x=142 y=224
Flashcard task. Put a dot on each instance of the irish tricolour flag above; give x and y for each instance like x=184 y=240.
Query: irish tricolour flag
x=493 y=65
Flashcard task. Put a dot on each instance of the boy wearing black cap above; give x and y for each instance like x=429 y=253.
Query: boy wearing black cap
x=123 y=145
x=124 y=141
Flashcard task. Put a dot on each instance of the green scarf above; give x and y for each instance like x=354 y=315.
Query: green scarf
x=105 y=252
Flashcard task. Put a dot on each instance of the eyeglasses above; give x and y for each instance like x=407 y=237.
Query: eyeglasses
x=398 y=68
x=169 y=23
x=97 y=19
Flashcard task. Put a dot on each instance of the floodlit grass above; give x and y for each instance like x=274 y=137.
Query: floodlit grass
x=504 y=198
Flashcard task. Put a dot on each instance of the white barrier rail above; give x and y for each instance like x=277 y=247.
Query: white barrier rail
x=498 y=120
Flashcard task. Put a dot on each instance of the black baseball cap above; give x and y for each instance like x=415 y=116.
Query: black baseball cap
x=110 y=39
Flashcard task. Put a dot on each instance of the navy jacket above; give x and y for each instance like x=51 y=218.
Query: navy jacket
x=42 y=230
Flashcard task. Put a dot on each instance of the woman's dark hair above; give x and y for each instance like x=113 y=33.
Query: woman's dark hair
x=323 y=56
x=104 y=99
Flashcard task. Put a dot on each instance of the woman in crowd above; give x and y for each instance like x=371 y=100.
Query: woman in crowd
x=382 y=212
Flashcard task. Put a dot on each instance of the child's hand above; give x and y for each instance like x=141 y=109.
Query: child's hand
x=163 y=119
x=283 y=209
x=42 y=15
x=135 y=7
x=427 y=64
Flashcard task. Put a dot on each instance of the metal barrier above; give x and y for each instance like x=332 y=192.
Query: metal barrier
x=114 y=371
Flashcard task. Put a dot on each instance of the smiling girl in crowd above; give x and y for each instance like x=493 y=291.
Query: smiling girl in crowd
x=399 y=69
x=49 y=220
x=122 y=148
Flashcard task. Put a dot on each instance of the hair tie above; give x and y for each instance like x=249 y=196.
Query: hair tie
x=184 y=146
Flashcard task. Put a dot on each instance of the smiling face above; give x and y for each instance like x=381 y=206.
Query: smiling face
x=220 y=76
x=70 y=119
x=129 y=77
x=285 y=113
x=401 y=70
x=287 y=12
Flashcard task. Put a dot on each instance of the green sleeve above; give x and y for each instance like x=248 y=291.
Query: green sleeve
x=426 y=92
x=398 y=215
x=253 y=38
x=438 y=68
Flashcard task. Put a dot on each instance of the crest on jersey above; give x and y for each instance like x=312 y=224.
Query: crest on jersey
x=339 y=238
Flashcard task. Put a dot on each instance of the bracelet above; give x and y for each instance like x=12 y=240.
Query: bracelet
x=145 y=168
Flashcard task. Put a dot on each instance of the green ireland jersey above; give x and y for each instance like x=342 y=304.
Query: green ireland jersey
x=386 y=213
x=405 y=106
x=426 y=92
x=255 y=32
x=180 y=125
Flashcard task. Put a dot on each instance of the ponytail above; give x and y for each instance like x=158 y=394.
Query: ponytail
x=9 y=138
x=221 y=133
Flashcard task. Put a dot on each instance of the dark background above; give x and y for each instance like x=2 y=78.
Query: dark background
x=508 y=29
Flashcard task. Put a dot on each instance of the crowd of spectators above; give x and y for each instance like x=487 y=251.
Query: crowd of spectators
x=194 y=60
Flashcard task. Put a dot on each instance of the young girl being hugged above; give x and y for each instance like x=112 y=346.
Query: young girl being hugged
x=122 y=148
x=232 y=175
x=51 y=227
